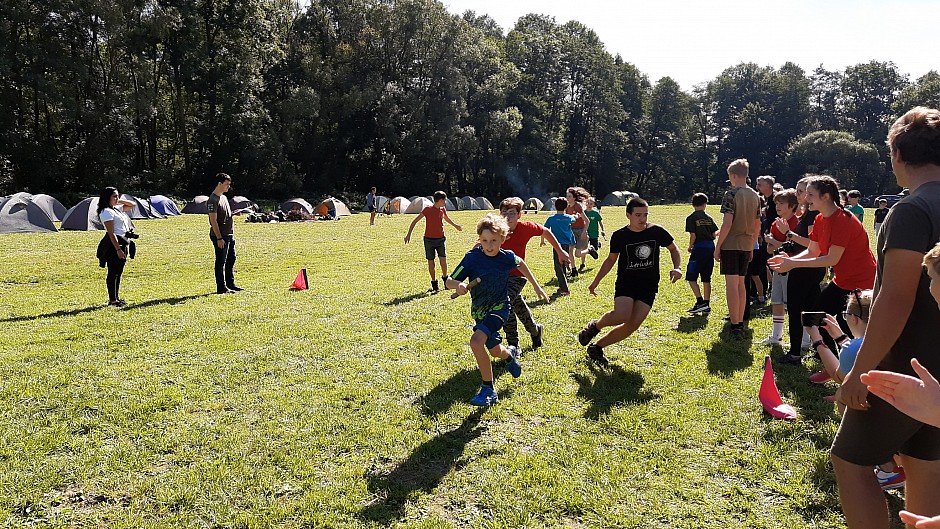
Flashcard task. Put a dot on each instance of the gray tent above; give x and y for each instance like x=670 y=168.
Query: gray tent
x=418 y=204
x=304 y=206
x=549 y=204
x=82 y=216
x=197 y=206
x=448 y=203
x=50 y=205
x=241 y=202
x=484 y=203
x=18 y=214
x=467 y=202
x=141 y=210
x=533 y=204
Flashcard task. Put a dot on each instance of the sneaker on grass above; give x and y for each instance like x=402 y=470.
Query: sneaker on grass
x=592 y=251
x=512 y=363
x=596 y=353
x=588 y=332
x=820 y=377
x=890 y=480
x=485 y=397
x=537 y=336
x=793 y=360
x=701 y=308
x=771 y=340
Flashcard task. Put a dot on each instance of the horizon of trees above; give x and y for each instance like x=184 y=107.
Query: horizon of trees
x=160 y=95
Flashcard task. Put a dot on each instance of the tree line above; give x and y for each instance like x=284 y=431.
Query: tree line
x=160 y=95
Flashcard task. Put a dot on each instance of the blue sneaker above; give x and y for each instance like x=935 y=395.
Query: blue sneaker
x=512 y=363
x=485 y=397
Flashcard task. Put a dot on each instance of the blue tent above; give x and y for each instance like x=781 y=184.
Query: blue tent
x=163 y=205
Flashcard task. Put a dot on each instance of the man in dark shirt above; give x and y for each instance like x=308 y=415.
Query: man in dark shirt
x=222 y=235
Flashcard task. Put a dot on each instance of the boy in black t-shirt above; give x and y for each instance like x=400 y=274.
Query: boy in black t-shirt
x=637 y=278
x=701 y=228
x=880 y=214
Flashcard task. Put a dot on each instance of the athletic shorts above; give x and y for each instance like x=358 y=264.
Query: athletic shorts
x=701 y=263
x=595 y=242
x=579 y=243
x=490 y=325
x=778 y=289
x=371 y=209
x=734 y=262
x=636 y=292
x=434 y=245
x=867 y=437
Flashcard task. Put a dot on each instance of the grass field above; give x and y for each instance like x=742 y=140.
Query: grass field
x=346 y=405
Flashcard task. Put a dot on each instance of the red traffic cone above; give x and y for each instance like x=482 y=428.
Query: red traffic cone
x=770 y=397
x=301 y=282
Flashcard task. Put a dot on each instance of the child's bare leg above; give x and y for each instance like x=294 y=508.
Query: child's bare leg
x=431 y=269
x=695 y=289
x=499 y=352
x=636 y=317
x=707 y=290
x=443 y=261
x=478 y=346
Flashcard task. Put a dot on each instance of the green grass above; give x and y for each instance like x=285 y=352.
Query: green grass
x=346 y=405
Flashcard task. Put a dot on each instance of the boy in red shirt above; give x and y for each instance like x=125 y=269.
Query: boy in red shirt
x=434 y=235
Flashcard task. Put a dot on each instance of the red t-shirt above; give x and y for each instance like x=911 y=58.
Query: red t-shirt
x=574 y=210
x=519 y=238
x=779 y=235
x=856 y=268
x=433 y=222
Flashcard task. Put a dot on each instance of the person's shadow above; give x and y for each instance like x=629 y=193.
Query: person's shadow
x=690 y=324
x=75 y=312
x=423 y=471
x=610 y=386
x=406 y=298
x=730 y=354
x=461 y=386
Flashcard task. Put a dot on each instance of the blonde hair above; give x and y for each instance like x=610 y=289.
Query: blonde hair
x=495 y=223
x=511 y=203
x=739 y=167
x=932 y=259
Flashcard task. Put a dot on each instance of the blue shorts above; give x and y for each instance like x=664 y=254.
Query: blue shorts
x=490 y=325
x=701 y=263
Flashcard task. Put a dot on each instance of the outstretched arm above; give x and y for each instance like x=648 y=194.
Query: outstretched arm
x=605 y=269
x=458 y=227
x=547 y=235
x=411 y=228
x=524 y=268
x=917 y=397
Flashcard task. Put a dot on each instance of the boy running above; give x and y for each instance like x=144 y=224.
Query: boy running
x=434 y=235
x=595 y=228
x=637 y=278
x=560 y=226
x=701 y=228
x=490 y=300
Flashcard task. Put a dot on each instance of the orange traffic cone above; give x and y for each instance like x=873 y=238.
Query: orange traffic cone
x=770 y=397
x=301 y=282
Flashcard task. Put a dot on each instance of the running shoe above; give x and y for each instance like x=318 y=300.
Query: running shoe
x=588 y=332
x=771 y=340
x=485 y=397
x=592 y=251
x=890 y=480
x=820 y=377
x=596 y=353
x=704 y=308
x=512 y=363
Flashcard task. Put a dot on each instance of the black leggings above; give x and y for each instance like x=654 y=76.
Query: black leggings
x=115 y=269
x=833 y=300
x=802 y=295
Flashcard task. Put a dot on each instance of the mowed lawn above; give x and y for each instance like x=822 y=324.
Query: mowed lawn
x=347 y=405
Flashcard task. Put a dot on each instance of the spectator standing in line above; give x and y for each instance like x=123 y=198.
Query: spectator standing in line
x=114 y=248
x=787 y=204
x=701 y=228
x=758 y=266
x=854 y=207
x=880 y=214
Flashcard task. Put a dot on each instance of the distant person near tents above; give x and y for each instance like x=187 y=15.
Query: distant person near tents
x=222 y=235
x=434 y=235
x=116 y=246
x=370 y=203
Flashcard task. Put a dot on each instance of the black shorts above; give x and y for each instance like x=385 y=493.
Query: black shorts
x=432 y=246
x=646 y=294
x=371 y=209
x=734 y=262
x=595 y=243
x=867 y=437
x=701 y=263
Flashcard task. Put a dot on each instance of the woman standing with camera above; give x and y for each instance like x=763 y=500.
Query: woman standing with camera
x=113 y=248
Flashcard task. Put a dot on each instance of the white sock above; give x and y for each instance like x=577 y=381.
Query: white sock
x=778 y=326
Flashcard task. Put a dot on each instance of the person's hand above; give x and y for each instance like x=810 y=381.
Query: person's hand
x=920 y=522
x=813 y=333
x=717 y=254
x=407 y=239
x=461 y=288
x=542 y=295
x=592 y=287
x=917 y=397
x=854 y=394
x=690 y=249
x=780 y=263
x=459 y=227
x=831 y=325
x=121 y=255
x=220 y=243
x=782 y=225
x=563 y=257
x=675 y=274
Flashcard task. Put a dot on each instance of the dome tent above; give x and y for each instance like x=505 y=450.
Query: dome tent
x=398 y=205
x=141 y=210
x=240 y=202
x=300 y=203
x=51 y=206
x=484 y=203
x=467 y=202
x=83 y=216
x=533 y=204
x=549 y=204
x=198 y=205
x=418 y=204
x=618 y=198
x=163 y=205
x=339 y=209
x=18 y=214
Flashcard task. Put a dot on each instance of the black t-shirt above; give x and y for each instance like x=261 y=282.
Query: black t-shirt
x=218 y=204
x=770 y=213
x=802 y=229
x=880 y=215
x=639 y=254
x=702 y=225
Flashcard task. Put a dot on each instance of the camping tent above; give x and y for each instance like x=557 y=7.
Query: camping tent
x=533 y=204
x=379 y=203
x=19 y=214
x=51 y=206
x=412 y=199
x=467 y=202
x=198 y=205
x=618 y=198
x=398 y=205
x=484 y=203
x=549 y=204
x=418 y=204
x=304 y=206
x=82 y=216
x=335 y=204
x=163 y=205
x=241 y=202
x=142 y=209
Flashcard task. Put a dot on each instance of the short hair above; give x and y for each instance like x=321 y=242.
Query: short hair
x=739 y=167
x=636 y=202
x=882 y=201
x=787 y=196
x=699 y=199
x=495 y=223
x=222 y=177
x=932 y=259
x=767 y=178
x=916 y=136
x=579 y=193
x=440 y=195
x=560 y=204
x=860 y=303
x=511 y=203
x=855 y=193
x=373 y=189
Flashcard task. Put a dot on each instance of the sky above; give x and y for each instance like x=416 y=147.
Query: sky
x=693 y=41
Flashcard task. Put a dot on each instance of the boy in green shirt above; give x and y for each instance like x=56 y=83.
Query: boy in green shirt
x=595 y=228
x=853 y=206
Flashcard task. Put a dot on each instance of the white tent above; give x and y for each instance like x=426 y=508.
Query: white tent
x=484 y=203
x=418 y=204
x=398 y=205
x=300 y=203
x=337 y=205
x=618 y=198
x=467 y=202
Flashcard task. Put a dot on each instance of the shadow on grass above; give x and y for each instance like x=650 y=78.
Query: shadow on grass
x=423 y=471
x=75 y=312
x=690 y=324
x=407 y=299
x=460 y=387
x=730 y=354
x=610 y=386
